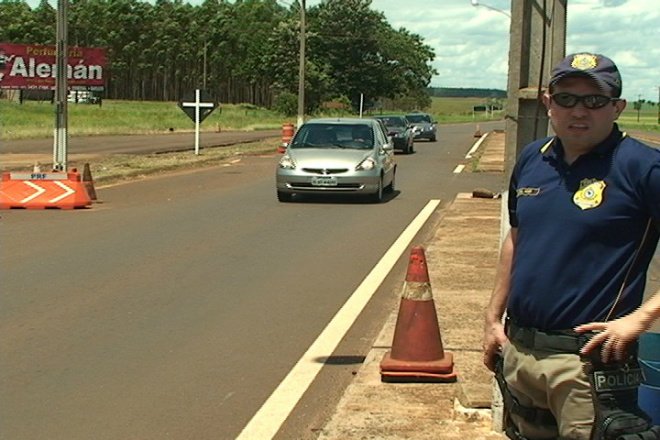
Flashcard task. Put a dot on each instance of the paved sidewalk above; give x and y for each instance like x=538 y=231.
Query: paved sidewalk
x=461 y=258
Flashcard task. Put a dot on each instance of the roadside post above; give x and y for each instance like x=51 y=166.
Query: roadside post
x=198 y=107
x=61 y=90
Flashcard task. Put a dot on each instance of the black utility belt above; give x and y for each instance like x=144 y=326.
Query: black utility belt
x=556 y=342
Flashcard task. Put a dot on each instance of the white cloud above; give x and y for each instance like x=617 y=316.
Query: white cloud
x=472 y=43
x=627 y=32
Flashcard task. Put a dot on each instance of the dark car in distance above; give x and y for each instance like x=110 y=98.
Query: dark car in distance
x=401 y=131
x=423 y=126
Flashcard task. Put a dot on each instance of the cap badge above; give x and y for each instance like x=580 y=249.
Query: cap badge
x=584 y=61
x=590 y=194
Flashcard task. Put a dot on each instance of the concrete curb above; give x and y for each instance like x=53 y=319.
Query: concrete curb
x=462 y=261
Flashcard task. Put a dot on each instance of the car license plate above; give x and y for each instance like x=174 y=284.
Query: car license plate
x=324 y=181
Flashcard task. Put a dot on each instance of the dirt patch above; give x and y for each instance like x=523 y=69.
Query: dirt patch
x=112 y=168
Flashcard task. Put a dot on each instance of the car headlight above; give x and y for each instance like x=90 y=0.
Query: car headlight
x=367 y=164
x=287 y=163
x=399 y=135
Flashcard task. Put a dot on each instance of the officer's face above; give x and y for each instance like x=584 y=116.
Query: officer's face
x=580 y=128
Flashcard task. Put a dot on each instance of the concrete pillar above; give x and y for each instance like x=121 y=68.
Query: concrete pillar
x=537 y=44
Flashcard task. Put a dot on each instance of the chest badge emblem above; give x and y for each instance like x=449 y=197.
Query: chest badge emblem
x=590 y=194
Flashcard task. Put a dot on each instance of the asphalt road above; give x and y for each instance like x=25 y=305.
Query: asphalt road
x=174 y=308
x=136 y=144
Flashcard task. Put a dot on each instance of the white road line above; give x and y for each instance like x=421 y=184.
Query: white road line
x=268 y=420
x=459 y=169
x=476 y=145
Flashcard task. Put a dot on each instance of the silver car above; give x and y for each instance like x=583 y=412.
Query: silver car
x=423 y=125
x=340 y=156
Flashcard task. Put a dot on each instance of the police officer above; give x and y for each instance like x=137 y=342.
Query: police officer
x=583 y=208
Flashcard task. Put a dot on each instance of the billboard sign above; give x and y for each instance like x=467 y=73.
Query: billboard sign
x=31 y=66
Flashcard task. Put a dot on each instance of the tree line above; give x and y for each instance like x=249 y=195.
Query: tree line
x=245 y=51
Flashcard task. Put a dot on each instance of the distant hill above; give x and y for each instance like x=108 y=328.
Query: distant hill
x=449 y=92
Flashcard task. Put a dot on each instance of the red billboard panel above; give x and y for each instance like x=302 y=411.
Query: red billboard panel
x=31 y=66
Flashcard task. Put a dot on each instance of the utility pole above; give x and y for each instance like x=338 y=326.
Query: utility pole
x=61 y=92
x=301 y=67
x=206 y=45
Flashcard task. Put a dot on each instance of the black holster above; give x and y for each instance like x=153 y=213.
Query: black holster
x=614 y=391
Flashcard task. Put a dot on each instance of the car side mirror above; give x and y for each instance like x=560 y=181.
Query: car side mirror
x=388 y=147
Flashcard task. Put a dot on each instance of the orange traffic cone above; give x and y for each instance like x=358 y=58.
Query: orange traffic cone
x=88 y=182
x=417 y=353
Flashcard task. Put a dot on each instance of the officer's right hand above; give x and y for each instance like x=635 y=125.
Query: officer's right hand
x=494 y=339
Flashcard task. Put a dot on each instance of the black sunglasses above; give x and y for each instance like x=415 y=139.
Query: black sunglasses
x=569 y=100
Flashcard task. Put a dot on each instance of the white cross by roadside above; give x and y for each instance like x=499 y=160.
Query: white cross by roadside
x=197 y=105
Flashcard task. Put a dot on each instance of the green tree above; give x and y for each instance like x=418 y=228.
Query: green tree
x=409 y=59
x=21 y=25
x=343 y=35
x=364 y=55
x=243 y=50
x=253 y=23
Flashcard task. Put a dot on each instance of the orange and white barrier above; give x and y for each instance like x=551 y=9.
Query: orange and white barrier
x=62 y=190
x=287 y=135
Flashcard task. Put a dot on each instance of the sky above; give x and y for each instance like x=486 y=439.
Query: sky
x=471 y=43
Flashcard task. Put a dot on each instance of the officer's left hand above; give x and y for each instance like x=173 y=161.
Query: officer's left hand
x=614 y=337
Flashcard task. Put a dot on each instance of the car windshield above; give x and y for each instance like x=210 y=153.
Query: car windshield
x=358 y=136
x=419 y=118
x=393 y=121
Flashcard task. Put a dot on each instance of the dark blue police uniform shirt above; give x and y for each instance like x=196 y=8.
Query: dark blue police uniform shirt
x=582 y=231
